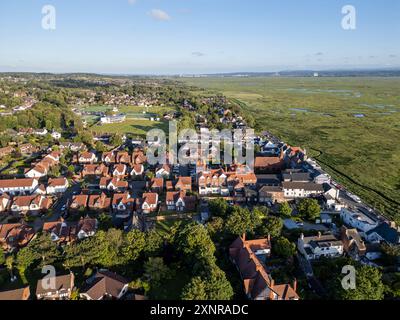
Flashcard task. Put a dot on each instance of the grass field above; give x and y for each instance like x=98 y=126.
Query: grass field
x=352 y=126
x=128 y=109
x=137 y=128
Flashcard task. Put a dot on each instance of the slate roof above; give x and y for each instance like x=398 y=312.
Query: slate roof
x=388 y=233
x=105 y=283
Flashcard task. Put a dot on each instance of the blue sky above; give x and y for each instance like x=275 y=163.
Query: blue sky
x=197 y=36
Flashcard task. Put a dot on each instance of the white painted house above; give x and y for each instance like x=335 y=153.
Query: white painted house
x=319 y=246
x=41 y=132
x=137 y=170
x=357 y=220
x=293 y=190
x=149 y=202
x=5 y=202
x=59 y=185
x=163 y=172
x=56 y=135
x=87 y=157
x=37 y=171
x=18 y=186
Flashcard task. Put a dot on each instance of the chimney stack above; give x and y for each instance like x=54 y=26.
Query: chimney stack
x=281 y=156
x=272 y=284
x=72 y=279
x=295 y=285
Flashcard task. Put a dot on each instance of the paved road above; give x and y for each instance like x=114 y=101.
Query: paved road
x=313 y=282
x=63 y=200
x=360 y=206
x=57 y=212
x=305 y=265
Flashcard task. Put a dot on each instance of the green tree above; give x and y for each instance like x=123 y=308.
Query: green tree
x=75 y=294
x=242 y=221
x=54 y=171
x=215 y=226
x=369 y=285
x=155 y=271
x=44 y=249
x=105 y=221
x=71 y=168
x=217 y=285
x=10 y=260
x=85 y=137
x=309 y=209
x=391 y=253
x=111 y=247
x=140 y=284
x=218 y=207
x=116 y=140
x=195 y=243
x=2 y=256
x=284 y=248
x=81 y=254
x=261 y=212
x=26 y=257
x=285 y=211
x=149 y=175
x=100 y=147
x=154 y=243
x=135 y=244
x=271 y=226
x=195 y=290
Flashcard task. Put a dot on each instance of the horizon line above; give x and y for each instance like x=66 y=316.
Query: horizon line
x=191 y=74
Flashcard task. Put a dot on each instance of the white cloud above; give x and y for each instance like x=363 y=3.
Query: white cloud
x=160 y=15
x=132 y=1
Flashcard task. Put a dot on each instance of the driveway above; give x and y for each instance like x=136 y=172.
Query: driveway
x=63 y=201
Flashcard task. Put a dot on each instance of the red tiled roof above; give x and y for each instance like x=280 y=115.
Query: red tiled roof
x=265 y=162
x=122 y=198
x=174 y=196
x=99 y=201
x=58 y=182
x=150 y=198
x=86 y=155
x=119 y=169
x=17 y=294
x=16 y=183
x=65 y=282
x=25 y=201
x=157 y=183
x=255 y=277
x=15 y=235
x=79 y=200
x=184 y=183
